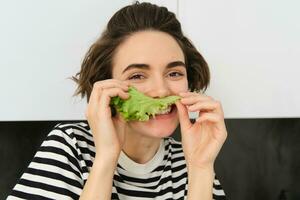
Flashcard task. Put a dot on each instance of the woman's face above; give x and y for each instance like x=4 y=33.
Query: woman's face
x=153 y=62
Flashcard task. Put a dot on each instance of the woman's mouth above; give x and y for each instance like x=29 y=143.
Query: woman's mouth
x=165 y=114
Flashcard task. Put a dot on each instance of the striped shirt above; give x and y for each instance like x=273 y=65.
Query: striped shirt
x=62 y=164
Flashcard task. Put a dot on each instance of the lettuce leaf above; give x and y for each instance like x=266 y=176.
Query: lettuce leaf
x=139 y=106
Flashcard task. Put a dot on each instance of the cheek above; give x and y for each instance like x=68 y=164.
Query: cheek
x=140 y=87
x=179 y=86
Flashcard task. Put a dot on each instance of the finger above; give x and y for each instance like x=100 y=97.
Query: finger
x=211 y=117
x=215 y=119
x=204 y=105
x=106 y=96
x=111 y=83
x=194 y=99
x=93 y=102
x=99 y=86
x=108 y=84
x=187 y=94
x=184 y=120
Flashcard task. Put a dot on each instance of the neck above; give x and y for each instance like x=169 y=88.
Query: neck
x=140 y=148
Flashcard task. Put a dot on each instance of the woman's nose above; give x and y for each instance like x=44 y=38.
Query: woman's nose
x=159 y=89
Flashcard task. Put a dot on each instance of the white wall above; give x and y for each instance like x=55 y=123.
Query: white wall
x=42 y=44
x=253 y=50
x=251 y=47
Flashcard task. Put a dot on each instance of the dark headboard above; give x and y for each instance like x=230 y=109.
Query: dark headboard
x=259 y=160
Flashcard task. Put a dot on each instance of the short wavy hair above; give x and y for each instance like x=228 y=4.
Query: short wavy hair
x=97 y=63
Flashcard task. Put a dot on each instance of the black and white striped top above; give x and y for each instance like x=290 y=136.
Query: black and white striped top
x=62 y=164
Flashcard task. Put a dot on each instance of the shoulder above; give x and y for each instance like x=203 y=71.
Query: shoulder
x=76 y=134
x=73 y=130
x=71 y=127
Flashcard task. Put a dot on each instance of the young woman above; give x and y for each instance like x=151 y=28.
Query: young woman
x=108 y=158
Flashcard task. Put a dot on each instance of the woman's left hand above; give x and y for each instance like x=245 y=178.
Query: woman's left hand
x=202 y=140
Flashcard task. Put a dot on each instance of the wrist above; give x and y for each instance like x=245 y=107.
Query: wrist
x=200 y=171
x=200 y=182
x=204 y=168
x=99 y=182
x=110 y=161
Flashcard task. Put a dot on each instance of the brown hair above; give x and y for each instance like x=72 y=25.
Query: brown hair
x=97 y=63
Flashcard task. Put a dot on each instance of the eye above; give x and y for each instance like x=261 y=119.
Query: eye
x=175 y=74
x=136 y=76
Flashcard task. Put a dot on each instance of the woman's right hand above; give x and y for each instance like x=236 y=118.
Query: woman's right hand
x=108 y=132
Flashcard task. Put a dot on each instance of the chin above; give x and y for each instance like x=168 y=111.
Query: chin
x=160 y=126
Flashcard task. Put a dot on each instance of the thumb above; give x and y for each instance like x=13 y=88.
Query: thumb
x=183 y=114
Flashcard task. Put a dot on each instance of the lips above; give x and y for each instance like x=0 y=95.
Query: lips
x=166 y=116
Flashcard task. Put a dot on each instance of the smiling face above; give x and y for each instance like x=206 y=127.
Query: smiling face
x=153 y=62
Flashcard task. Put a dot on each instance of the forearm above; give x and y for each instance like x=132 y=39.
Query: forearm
x=200 y=183
x=99 y=182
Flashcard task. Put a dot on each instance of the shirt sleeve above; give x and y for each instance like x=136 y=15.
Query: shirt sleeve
x=218 y=192
x=55 y=172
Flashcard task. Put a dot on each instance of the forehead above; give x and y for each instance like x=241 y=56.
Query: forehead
x=150 y=47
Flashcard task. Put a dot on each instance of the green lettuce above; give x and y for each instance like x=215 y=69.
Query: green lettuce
x=139 y=106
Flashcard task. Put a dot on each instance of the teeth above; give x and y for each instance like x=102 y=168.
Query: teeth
x=164 y=111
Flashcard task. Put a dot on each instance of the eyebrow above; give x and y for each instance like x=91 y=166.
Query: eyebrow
x=146 y=66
